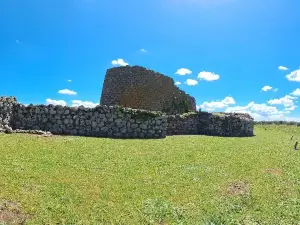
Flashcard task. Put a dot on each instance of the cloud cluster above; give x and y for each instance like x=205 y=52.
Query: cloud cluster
x=286 y=101
x=292 y=108
x=282 y=68
x=265 y=111
x=67 y=92
x=269 y=111
x=55 y=102
x=260 y=111
x=208 y=76
x=191 y=82
x=214 y=105
x=294 y=76
x=204 y=75
x=183 y=72
x=266 y=88
x=143 y=50
x=74 y=103
x=119 y=62
x=296 y=92
x=269 y=88
x=87 y=104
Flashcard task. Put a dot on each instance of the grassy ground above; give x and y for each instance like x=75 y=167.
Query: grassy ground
x=177 y=180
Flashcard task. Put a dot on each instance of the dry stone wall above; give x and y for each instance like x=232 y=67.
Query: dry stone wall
x=102 y=121
x=117 y=122
x=226 y=124
x=140 y=88
x=184 y=124
x=214 y=124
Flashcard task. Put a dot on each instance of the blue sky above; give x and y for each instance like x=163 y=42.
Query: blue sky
x=226 y=51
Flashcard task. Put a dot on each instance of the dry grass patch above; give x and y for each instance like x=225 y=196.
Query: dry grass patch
x=238 y=188
x=10 y=213
x=276 y=172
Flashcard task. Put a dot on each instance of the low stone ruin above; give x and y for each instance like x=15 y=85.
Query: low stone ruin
x=117 y=122
x=213 y=124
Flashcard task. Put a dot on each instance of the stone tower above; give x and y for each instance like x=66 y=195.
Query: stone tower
x=140 y=88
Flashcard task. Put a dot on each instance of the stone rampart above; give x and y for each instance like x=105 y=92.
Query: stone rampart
x=214 y=124
x=101 y=121
x=226 y=124
x=118 y=122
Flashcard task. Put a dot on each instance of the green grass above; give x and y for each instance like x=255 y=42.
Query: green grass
x=177 y=180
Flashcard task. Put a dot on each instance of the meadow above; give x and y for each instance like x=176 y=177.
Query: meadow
x=177 y=180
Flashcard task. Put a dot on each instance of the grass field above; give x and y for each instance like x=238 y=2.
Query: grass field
x=177 y=180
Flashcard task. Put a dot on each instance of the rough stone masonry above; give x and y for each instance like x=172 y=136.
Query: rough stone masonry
x=101 y=121
x=117 y=122
x=140 y=88
x=6 y=113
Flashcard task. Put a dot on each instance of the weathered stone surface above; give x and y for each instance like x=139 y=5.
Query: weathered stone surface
x=143 y=126
x=8 y=129
x=6 y=113
x=134 y=126
x=214 y=124
x=140 y=88
x=113 y=121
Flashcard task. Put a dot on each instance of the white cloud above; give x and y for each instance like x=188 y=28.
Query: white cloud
x=183 y=71
x=292 y=108
x=294 y=76
x=143 y=50
x=266 y=88
x=191 y=82
x=119 y=62
x=177 y=83
x=275 y=89
x=70 y=81
x=287 y=101
x=212 y=106
x=67 y=92
x=208 y=76
x=55 y=102
x=260 y=111
x=77 y=103
x=296 y=92
x=229 y=101
x=282 y=68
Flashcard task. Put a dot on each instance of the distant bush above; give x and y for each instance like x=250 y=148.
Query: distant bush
x=277 y=123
